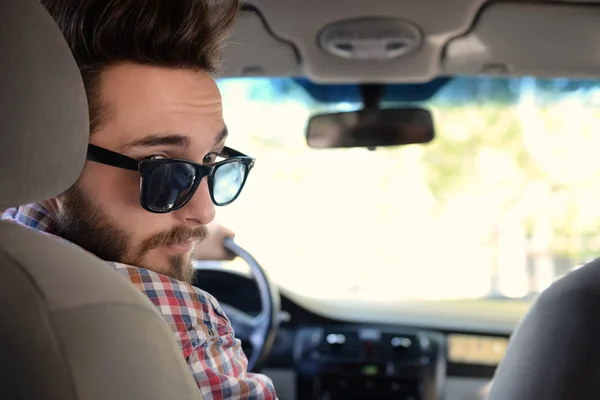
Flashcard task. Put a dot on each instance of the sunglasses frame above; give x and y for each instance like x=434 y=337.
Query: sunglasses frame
x=147 y=166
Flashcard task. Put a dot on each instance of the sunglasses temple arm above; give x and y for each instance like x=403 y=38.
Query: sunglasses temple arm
x=108 y=157
x=229 y=152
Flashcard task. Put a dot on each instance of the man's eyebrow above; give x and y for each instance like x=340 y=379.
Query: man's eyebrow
x=222 y=135
x=159 y=140
x=170 y=140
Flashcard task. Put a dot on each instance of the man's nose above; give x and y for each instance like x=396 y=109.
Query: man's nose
x=200 y=210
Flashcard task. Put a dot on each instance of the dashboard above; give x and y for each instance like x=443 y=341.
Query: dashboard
x=316 y=357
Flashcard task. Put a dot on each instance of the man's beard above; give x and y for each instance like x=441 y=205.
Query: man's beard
x=85 y=224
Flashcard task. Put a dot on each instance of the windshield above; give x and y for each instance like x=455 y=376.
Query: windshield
x=503 y=202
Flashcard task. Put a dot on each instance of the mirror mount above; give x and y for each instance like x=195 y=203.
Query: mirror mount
x=371 y=96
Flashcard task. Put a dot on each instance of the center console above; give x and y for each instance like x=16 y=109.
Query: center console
x=346 y=362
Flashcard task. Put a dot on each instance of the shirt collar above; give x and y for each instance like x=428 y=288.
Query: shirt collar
x=35 y=215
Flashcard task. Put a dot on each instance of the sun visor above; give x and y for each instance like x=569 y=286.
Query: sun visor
x=254 y=51
x=528 y=39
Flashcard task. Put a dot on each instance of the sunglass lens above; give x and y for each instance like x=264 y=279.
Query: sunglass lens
x=169 y=186
x=228 y=180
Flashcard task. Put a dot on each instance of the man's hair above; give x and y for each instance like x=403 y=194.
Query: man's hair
x=164 y=33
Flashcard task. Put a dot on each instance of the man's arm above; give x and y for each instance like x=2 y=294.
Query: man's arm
x=221 y=365
x=205 y=336
x=211 y=373
x=216 y=384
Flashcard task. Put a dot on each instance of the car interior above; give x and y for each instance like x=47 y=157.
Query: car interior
x=421 y=223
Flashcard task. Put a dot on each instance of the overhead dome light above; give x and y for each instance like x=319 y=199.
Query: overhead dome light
x=370 y=38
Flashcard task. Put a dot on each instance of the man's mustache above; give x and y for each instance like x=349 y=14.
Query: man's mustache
x=175 y=236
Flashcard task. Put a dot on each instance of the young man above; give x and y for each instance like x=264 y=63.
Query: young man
x=157 y=164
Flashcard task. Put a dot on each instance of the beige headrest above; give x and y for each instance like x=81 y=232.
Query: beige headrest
x=44 y=125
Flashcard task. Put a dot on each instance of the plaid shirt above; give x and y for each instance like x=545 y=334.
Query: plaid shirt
x=203 y=332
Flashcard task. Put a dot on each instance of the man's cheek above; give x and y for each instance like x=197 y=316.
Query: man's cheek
x=114 y=188
x=128 y=193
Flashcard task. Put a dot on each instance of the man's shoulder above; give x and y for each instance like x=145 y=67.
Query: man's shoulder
x=174 y=297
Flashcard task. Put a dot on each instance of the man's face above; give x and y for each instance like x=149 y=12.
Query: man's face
x=150 y=111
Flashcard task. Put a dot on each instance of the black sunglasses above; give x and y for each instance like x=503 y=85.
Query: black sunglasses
x=168 y=184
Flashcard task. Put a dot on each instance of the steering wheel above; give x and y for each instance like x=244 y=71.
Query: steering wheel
x=258 y=331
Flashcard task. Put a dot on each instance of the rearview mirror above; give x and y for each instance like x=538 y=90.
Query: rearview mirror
x=370 y=128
